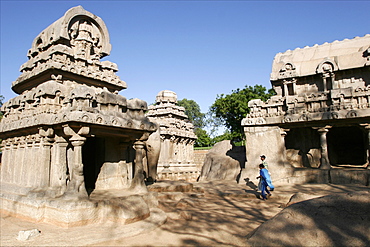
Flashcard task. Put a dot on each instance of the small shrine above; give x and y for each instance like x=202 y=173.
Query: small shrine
x=176 y=159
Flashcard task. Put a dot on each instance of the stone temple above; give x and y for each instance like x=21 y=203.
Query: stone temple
x=176 y=159
x=68 y=132
x=316 y=129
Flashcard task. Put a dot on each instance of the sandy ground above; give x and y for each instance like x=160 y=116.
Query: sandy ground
x=214 y=214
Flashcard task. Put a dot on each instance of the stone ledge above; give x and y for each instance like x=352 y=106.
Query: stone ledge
x=69 y=213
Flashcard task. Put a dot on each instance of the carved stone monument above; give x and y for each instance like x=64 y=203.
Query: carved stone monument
x=69 y=132
x=320 y=117
x=176 y=159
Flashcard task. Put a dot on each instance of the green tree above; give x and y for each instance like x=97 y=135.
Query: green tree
x=227 y=135
x=192 y=110
x=203 y=138
x=230 y=109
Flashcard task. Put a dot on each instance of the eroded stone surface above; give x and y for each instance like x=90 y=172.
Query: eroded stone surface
x=334 y=220
x=220 y=164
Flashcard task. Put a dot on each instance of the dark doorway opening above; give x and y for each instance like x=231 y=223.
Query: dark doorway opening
x=93 y=156
x=302 y=142
x=346 y=146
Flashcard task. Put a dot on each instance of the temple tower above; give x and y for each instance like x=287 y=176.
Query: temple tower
x=69 y=132
x=176 y=159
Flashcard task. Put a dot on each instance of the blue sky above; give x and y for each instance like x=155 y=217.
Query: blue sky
x=198 y=49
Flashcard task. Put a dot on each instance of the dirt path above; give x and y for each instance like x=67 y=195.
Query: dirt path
x=212 y=215
x=215 y=220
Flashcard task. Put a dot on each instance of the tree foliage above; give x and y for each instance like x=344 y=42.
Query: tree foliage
x=230 y=109
x=192 y=110
x=204 y=140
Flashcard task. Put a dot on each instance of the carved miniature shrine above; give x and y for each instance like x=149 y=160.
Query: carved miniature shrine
x=177 y=138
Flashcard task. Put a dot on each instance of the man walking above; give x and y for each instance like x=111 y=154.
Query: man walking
x=265 y=180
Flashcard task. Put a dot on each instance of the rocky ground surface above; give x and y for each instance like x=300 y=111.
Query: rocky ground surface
x=198 y=214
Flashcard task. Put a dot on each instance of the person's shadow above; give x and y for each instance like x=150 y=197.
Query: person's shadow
x=250 y=184
x=253 y=188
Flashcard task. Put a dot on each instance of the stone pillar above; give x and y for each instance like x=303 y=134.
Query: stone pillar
x=325 y=163
x=368 y=146
x=45 y=156
x=172 y=150
x=294 y=85
x=367 y=132
x=58 y=170
x=45 y=163
x=123 y=161
x=13 y=164
x=285 y=88
x=283 y=133
x=176 y=146
x=137 y=183
x=27 y=177
x=324 y=76
x=23 y=166
x=34 y=177
x=76 y=186
x=163 y=155
x=5 y=162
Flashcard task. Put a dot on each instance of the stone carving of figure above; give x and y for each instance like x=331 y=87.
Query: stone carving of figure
x=96 y=50
x=84 y=31
x=82 y=40
x=288 y=67
x=327 y=67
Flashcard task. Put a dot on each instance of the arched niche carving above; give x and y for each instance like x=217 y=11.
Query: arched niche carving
x=326 y=66
x=60 y=32
x=288 y=70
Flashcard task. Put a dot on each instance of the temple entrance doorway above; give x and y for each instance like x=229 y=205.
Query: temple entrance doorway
x=346 y=146
x=93 y=157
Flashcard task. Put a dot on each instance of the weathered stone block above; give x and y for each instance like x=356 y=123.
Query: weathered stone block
x=350 y=176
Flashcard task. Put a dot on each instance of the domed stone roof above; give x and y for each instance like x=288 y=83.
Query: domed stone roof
x=166 y=96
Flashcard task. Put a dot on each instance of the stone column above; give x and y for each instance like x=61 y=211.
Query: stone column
x=325 y=163
x=283 y=133
x=137 y=183
x=45 y=157
x=123 y=162
x=29 y=159
x=367 y=132
x=23 y=164
x=58 y=173
x=324 y=76
x=5 y=162
x=368 y=146
x=285 y=88
x=169 y=152
x=294 y=85
x=45 y=163
x=13 y=165
x=76 y=186
x=33 y=178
